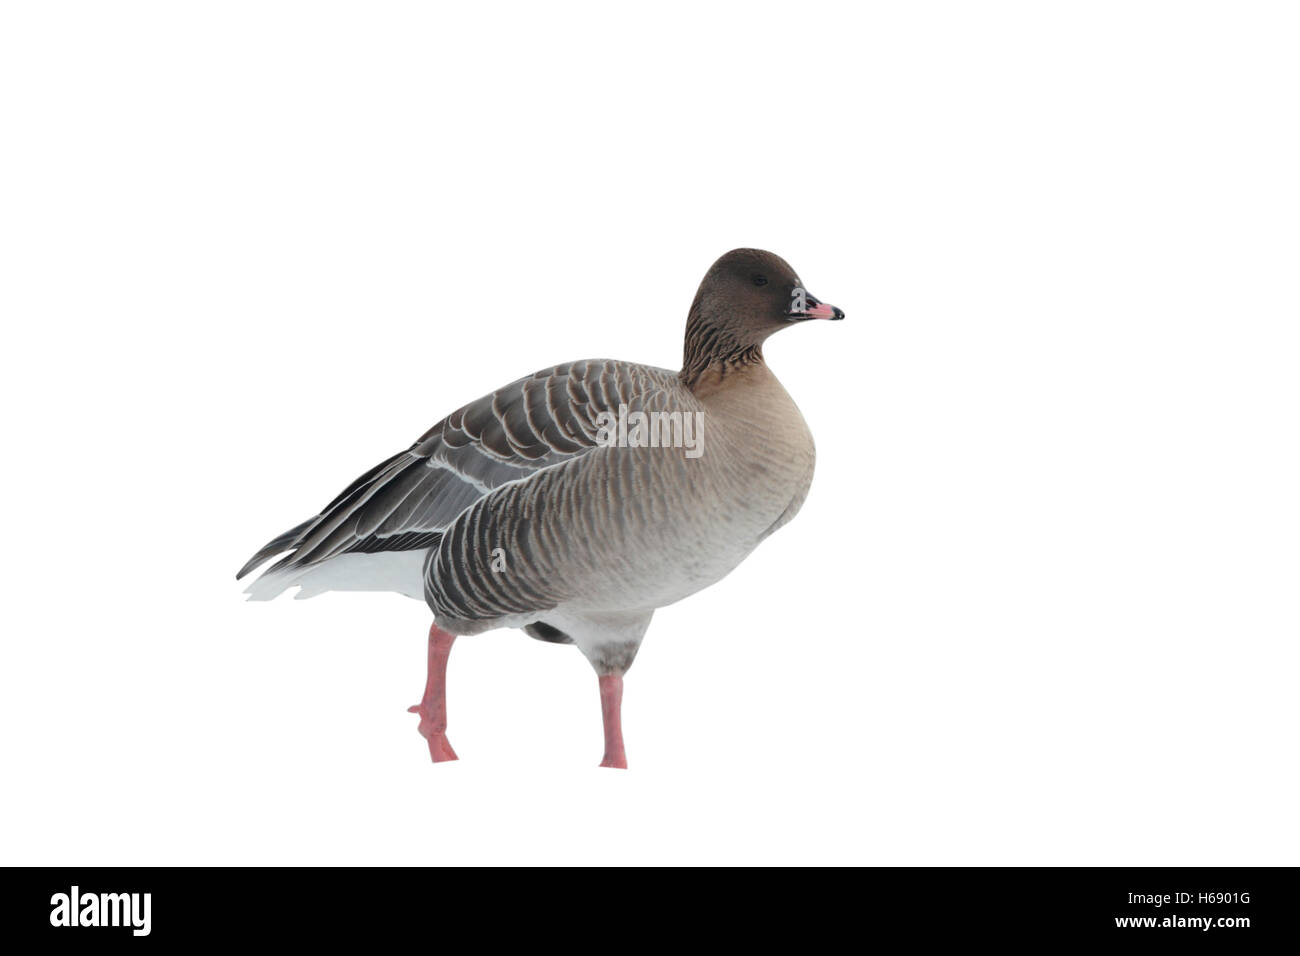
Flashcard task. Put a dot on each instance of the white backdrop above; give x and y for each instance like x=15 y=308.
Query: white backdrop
x=1040 y=606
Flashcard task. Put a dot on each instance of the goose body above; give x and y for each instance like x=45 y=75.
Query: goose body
x=574 y=502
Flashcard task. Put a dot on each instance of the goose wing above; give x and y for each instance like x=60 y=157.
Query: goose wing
x=510 y=435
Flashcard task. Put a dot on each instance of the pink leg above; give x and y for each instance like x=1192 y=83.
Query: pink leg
x=611 y=709
x=433 y=708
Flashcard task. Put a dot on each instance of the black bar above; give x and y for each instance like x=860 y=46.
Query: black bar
x=1231 y=907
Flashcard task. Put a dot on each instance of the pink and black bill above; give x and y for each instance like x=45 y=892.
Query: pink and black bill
x=813 y=309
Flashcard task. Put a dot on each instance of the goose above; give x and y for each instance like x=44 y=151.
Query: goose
x=574 y=502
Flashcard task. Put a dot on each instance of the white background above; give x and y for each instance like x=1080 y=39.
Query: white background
x=1040 y=607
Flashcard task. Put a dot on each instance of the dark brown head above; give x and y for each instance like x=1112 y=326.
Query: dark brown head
x=746 y=296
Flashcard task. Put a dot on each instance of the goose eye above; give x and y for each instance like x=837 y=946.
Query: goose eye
x=760 y=280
